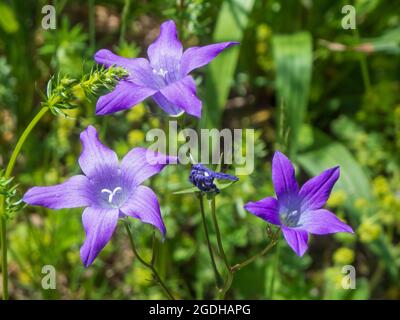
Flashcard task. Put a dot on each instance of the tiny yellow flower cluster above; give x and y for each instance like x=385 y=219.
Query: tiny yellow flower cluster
x=361 y=203
x=263 y=35
x=343 y=256
x=137 y=113
x=334 y=277
x=389 y=204
x=135 y=137
x=369 y=231
x=337 y=199
x=381 y=186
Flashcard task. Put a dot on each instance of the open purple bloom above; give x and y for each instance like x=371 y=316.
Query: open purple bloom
x=108 y=190
x=203 y=178
x=299 y=212
x=164 y=77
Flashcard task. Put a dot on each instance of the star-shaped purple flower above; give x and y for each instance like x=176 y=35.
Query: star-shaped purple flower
x=164 y=77
x=109 y=190
x=299 y=212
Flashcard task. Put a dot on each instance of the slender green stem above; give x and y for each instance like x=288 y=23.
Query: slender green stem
x=241 y=265
x=148 y=265
x=3 y=218
x=21 y=140
x=363 y=64
x=274 y=271
x=154 y=249
x=365 y=73
x=4 y=257
x=229 y=278
x=218 y=279
x=124 y=19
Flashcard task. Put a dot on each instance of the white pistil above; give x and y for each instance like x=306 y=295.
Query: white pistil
x=111 y=194
x=293 y=213
x=161 y=72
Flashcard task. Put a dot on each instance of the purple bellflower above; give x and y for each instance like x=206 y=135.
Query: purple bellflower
x=164 y=77
x=203 y=178
x=299 y=211
x=108 y=190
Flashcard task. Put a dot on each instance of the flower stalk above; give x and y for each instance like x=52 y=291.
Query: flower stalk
x=154 y=248
x=218 y=279
x=22 y=139
x=263 y=252
x=156 y=276
x=4 y=268
x=274 y=273
x=222 y=290
x=7 y=174
x=229 y=279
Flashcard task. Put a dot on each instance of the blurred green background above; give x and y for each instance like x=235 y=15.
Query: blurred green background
x=324 y=94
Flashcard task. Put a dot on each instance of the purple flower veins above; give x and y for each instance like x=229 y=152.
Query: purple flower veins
x=108 y=190
x=299 y=212
x=203 y=178
x=164 y=77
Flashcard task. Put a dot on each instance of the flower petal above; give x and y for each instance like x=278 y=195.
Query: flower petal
x=166 y=105
x=73 y=193
x=296 y=239
x=99 y=225
x=139 y=69
x=139 y=164
x=166 y=51
x=315 y=192
x=283 y=176
x=183 y=94
x=143 y=205
x=267 y=209
x=142 y=74
x=96 y=160
x=108 y=59
x=322 y=222
x=196 y=57
x=124 y=96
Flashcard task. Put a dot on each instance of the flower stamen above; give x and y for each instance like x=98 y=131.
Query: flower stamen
x=292 y=218
x=161 y=72
x=111 y=194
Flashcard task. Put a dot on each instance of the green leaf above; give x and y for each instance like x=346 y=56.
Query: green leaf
x=223 y=184
x=293 y=59
x=230 y=26
x=352 y=177
x=389 y=42
x=8 y=21
x=187 y=190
